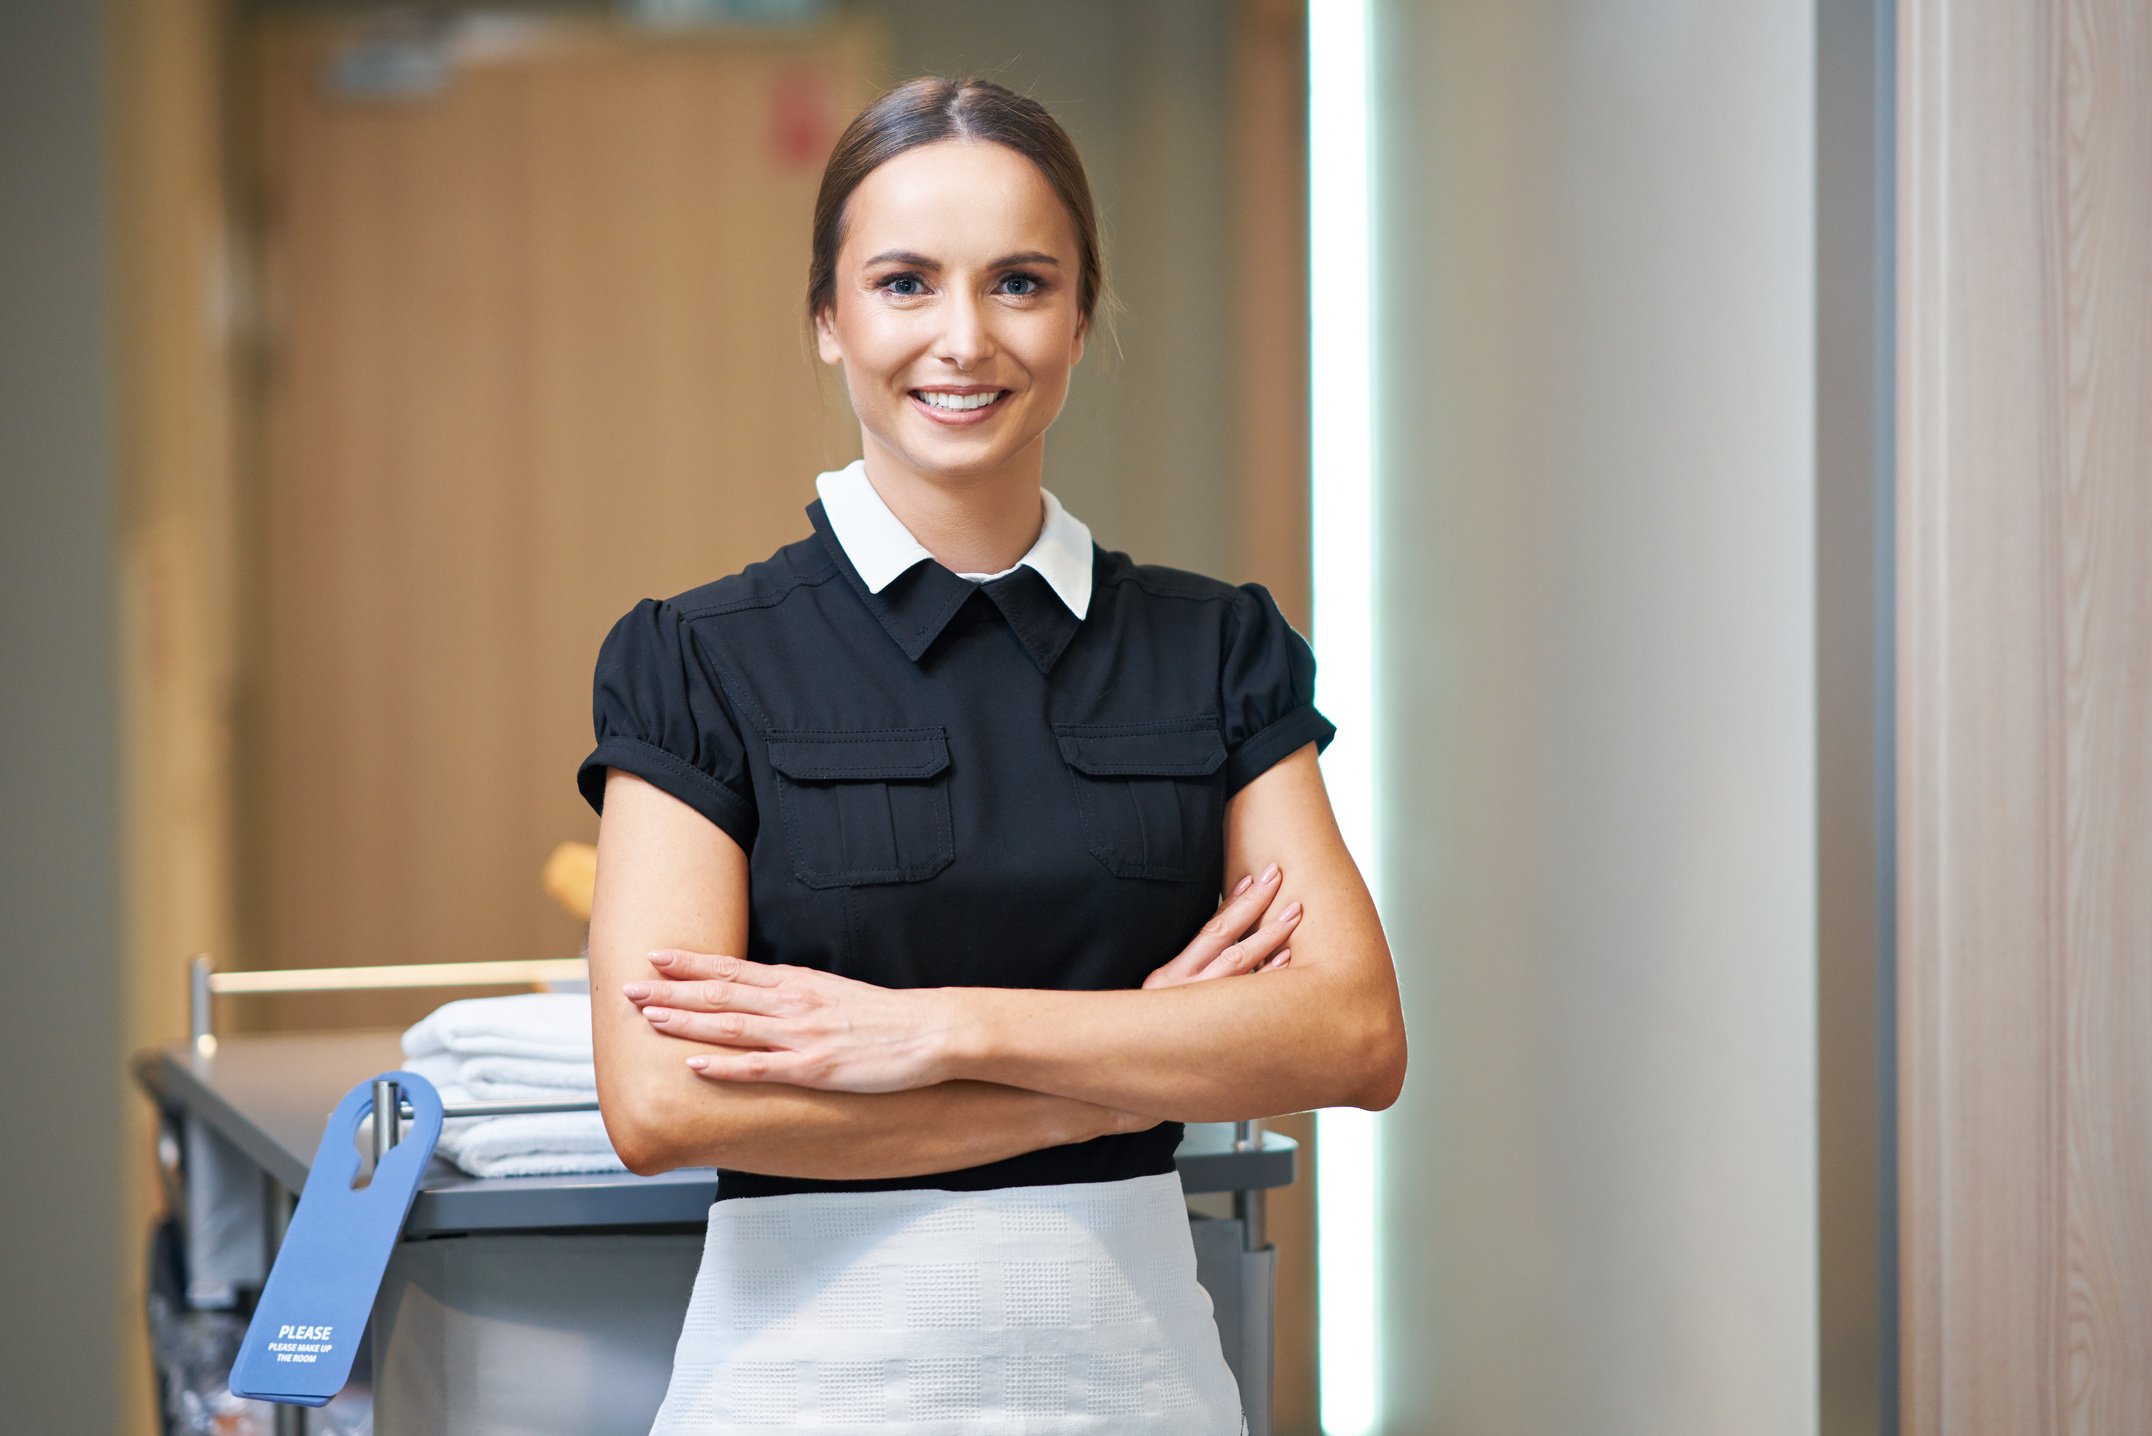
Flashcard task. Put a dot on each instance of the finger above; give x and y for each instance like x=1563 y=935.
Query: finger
x=676 y=962
x=708 y=995
x=1251 y=951
x=1240 y=911
x=1231 y=920
x=753 y=1067
x=728 y=1029
x=1285 y=955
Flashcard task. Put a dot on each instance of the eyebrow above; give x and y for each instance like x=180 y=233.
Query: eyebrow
x=920 y=261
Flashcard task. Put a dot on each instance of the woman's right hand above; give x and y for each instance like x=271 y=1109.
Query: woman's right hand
x=1225 y=946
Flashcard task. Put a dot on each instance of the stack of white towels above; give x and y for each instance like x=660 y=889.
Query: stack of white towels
x=534 y=1046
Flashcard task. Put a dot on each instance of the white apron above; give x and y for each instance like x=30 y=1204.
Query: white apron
x=1045 y=1310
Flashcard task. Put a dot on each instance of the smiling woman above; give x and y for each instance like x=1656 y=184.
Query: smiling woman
x=954 y=277
x=908 y=914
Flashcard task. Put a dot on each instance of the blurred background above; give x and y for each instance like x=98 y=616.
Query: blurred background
x=364 y=362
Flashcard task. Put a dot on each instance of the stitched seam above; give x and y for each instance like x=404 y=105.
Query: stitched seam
x=816 y=738
x=1194 y=722
x=1024 y=631
x=789 y=807
x=727 y=689
x=930 y=628
x=1254 y=754
x=719 y=607
x=1141 y=768
x=1166 y=588
x=741 y=810
x=871 y=770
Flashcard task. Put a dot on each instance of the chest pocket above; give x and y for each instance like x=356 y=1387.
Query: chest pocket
x=1153 y=794
x=864 y=807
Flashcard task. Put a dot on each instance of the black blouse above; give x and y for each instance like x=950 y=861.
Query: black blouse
x=960 y=783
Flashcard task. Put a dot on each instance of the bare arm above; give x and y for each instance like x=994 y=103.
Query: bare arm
x=667 y=877
x=1326 y=1032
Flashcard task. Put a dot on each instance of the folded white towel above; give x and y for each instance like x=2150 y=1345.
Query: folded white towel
x=530 y=1144
x=548 y=1026
x=537 y=1145
x=507 y=1079
x=528 y=1047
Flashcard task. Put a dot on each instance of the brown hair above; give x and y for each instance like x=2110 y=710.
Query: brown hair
x=931 y=108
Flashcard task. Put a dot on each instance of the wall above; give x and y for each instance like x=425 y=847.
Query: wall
x=1143 y=452
x=60 y=1058
x=1596 y=307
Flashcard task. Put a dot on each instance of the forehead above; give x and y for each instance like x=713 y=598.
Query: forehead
x=957 y=200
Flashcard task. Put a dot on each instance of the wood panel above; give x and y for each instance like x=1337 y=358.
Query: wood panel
x=2025 y=710
x=178 y=505
x=536 y=352
x=1270 y=502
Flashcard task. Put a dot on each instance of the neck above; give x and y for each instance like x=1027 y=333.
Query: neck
x=971 y=523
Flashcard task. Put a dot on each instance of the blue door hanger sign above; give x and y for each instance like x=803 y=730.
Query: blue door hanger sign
x=321 y=1288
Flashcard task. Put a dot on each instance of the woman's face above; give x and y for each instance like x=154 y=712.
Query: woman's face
x=956 y=284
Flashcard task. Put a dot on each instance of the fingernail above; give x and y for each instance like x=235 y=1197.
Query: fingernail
x=1269 y=873
x=698 y=1063
x=1283 y=954
x=662 y=959
x=657 y=1014
x=636 y=991
x=1244 y=884
x=1290 y=914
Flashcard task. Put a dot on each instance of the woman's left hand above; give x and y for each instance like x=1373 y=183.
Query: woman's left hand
x=770 y=1022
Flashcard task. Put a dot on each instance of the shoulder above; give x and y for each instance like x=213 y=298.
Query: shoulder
x=1237 y=609
x=1140 y=581
x=800 y=565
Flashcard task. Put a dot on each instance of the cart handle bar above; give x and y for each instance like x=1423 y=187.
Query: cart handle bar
x=206 y=984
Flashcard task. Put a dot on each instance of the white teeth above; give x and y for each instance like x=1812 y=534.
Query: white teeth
x=959 y=401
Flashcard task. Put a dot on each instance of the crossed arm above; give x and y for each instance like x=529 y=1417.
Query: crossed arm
x=982 y=1073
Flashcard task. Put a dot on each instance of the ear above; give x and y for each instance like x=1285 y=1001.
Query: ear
x=1083 y=327
x=825 y=338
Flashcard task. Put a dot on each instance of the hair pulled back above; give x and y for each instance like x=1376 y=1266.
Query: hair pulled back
x=929 y=109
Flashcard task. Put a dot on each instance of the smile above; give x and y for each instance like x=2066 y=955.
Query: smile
x=958 y=409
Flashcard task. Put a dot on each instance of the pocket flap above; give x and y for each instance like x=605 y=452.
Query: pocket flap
x=1180 y=747
x=881 y=753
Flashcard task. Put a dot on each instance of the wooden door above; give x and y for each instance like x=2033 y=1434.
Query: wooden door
x=2025 y=717
x=533 y=348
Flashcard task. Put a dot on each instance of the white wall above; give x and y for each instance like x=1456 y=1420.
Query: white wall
x=1596 y=308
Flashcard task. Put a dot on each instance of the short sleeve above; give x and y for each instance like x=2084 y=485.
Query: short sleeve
x=1267 y=687
x=658 y=712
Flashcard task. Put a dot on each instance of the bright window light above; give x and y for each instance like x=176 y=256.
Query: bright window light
x=1342 y=521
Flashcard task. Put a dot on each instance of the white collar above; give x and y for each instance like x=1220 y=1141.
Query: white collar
x=881 y=547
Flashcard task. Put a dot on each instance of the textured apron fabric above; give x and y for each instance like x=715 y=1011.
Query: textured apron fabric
x=1021 y=1311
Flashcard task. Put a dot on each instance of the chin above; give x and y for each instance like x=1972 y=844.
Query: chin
x=956 y=455
x=957 y=465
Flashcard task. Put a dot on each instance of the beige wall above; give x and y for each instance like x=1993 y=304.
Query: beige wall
x=1597 y=515
x=1143 y=452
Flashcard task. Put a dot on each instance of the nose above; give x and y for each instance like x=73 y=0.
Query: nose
x=966 y=337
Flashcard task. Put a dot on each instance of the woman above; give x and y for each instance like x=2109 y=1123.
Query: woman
x=909 y=869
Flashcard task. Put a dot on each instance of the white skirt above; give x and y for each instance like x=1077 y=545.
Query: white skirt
x=1021 y=1311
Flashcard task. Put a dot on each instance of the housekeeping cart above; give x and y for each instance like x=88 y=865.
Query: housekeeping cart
x=521 y=1305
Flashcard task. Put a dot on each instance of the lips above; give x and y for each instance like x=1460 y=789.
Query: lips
x=959 y=406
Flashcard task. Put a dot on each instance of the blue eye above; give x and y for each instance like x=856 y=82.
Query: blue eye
x=896 y=279
x=1030 y=279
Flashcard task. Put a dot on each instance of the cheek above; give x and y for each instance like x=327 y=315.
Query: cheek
x=875 y=347
x=1047 y=352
